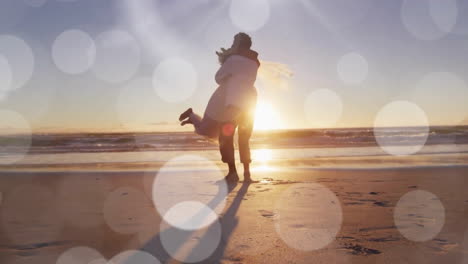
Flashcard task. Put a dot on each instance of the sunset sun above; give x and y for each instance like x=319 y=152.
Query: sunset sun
x=266 y=117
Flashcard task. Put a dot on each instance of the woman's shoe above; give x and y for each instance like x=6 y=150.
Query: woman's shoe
x=185 y=114
x=185 y=122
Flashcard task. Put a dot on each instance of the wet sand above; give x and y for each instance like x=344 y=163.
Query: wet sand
x=289 y=216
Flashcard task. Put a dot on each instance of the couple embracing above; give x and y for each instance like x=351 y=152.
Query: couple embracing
x=232 y=105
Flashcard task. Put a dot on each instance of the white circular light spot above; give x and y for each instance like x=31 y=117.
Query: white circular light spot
x=20 y=58
x=30 y=215
x=137 y=215
x=117 y=57
x=35 y=3
x=189 y=179
x=249 y=15
x=443 y=96
x=429 y=19
x=79 y=255
x=419 y=215
x=15 y=137
x=401 y=128
x=134 y=257
x=191 y=246
x=313 y=232
x=74 y=51
x=323 y=108
x=6 y=77
x=190 y=215
x=175 y=80
x=352 y=68
x=81 y=200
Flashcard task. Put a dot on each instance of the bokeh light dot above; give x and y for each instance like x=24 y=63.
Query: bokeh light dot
x=74 y=51
x=182 y=179
x=401 y=118
x=190 y=215
x=190 y=246
x=20 y=58
x=175 y=80
x=419 y=215
x=79 y=255
x=323 y=108
x=15 y=135
x=134 y=257
x=118 y=56
x=249 y=15
x=308 y=233
x=352 y=68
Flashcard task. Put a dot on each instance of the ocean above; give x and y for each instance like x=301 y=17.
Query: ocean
x=354 y=148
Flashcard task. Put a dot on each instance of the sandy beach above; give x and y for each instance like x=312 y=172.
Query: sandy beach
x=289 y=216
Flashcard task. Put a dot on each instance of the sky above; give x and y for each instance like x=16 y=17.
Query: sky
x=122 y=65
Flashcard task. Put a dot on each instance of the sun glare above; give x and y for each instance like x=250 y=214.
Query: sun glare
x=262 y=155
x=266 y=117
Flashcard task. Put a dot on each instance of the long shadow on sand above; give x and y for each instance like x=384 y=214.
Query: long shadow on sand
x=228 y=223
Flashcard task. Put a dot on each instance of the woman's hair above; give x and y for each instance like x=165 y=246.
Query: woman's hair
x=223 y=55
x=244 y=43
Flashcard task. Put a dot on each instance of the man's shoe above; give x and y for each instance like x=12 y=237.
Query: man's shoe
x=247 y=178
x=185 y=114
x=232 y=177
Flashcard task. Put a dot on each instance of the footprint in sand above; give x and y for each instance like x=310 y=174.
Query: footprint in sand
x=383 y=239
x=382 y=204
x=356 y=249
x=442 y=246
x=267 y=214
